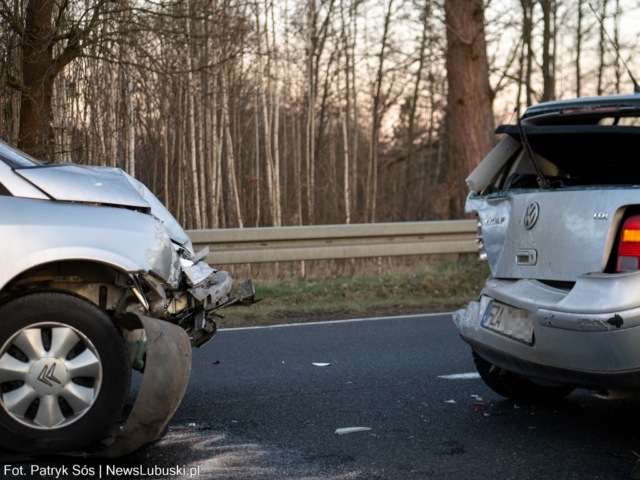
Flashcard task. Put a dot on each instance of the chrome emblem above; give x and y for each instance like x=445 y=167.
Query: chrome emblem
x=47 y=378
x=600 y=215
x=494 y=221
x=531 y=215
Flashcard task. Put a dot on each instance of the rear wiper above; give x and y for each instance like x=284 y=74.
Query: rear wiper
x=543 y=182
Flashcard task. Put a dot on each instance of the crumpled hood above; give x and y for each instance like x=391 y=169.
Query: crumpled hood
x=69 y=182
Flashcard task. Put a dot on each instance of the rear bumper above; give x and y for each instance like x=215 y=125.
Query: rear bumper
x=587 y=336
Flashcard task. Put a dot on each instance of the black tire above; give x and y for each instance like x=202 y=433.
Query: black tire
x=105 y=412
x=517 y=389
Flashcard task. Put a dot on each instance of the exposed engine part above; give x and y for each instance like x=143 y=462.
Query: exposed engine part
x=203 y=330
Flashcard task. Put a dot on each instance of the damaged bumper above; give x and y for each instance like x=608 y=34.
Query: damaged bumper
x=185 y=312
x=166 y=376
x=586 y=336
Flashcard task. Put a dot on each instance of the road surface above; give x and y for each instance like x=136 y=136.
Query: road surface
x=257 y=408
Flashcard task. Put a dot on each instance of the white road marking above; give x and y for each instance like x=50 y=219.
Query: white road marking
x=458 y=376
x=329 y=322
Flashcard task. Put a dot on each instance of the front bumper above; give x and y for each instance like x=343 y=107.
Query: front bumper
x=586 y=336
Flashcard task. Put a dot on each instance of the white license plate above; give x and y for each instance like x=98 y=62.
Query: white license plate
x=512 y=322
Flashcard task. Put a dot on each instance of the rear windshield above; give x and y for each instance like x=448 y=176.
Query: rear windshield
x=575 y=148
x=15 y=158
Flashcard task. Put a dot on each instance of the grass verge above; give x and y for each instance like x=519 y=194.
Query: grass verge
x=442 y=287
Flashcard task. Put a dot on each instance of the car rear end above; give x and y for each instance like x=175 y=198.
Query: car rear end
x=563 y=301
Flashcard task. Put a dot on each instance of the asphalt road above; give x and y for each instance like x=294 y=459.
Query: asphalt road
x=257 y=408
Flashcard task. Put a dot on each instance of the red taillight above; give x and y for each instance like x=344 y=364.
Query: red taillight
x=629 y=247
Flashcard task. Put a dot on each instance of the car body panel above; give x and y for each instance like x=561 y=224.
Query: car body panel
x=77 y=183
x=36 y=232
x=18 y=186
x=567 y=216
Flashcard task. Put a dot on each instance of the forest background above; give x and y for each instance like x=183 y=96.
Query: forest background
x=241 y=113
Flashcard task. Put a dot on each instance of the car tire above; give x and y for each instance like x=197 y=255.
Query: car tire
x=64 y=373
x=517 y=389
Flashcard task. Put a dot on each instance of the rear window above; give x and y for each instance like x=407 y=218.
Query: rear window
x=15 y=158
x=575 y=148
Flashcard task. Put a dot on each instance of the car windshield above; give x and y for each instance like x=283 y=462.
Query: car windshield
x=15 y=158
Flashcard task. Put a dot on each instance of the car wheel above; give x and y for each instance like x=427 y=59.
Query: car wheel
x=64 y=373
x=517 y=389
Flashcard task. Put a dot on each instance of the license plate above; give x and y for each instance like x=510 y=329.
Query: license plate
x=512 y=322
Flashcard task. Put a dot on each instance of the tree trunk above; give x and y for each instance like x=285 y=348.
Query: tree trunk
x=547 y=76
x=602 y=48
x=131 y=132
x=165 y=121
x=527 y=27
x=215 y=151
x=276 y=125
x=520 y=79
x=231 y=171
x=345 y=141
x=36 y=135
x=311 y=130
x=193 y=161
x=409 y=171
x=616 y=39
x=355 y=128
x=113 y=120
x=297 y=167
x=200 y=102
x=579 y=34
x=377 y=111
x=469 y=88
x=257 y=165
x=266 y=119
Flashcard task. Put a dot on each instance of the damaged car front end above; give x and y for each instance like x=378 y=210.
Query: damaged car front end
x=96 y=279
x=558 y=214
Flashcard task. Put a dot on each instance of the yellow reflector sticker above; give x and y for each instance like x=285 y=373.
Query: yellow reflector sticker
x=631 y=236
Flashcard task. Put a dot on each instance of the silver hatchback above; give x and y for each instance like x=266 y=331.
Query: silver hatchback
x=96 y=279
x=558 y=213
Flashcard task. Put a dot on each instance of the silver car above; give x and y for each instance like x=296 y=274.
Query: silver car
x=558 y=214
x=96 y=279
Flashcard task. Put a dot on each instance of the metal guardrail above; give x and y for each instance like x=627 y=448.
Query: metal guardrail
x=326 y=242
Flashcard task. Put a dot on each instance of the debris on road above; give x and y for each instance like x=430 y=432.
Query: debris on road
x=459 y=376
x=344 y=431
x=449 y=401
x=322 y=364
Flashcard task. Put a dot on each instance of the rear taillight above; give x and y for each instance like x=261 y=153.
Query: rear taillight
x=482 y=253
x=629 y=247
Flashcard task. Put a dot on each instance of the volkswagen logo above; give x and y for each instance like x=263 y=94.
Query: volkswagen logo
x=531 y=215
